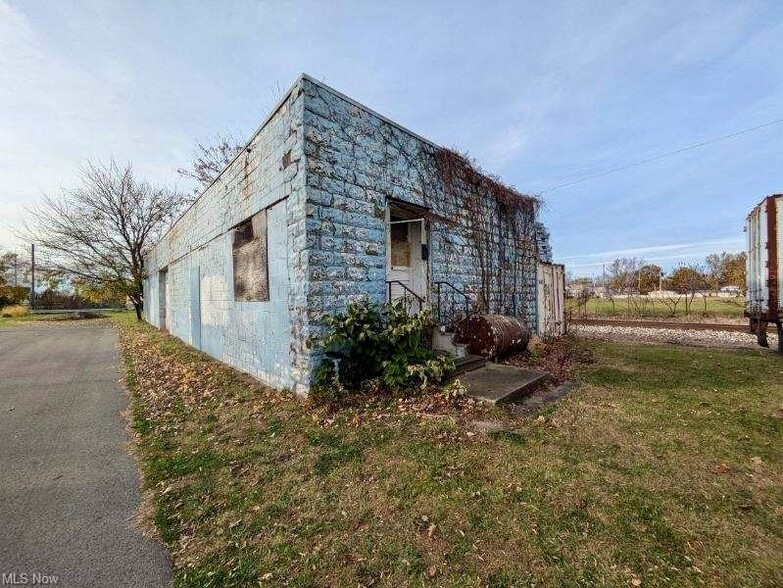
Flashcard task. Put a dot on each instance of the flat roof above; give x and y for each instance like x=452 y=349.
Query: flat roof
x=273 y=111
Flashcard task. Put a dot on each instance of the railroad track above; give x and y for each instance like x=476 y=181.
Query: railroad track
x=668 y=325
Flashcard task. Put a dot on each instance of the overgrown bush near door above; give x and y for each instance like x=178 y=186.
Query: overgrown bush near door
x=379 y=341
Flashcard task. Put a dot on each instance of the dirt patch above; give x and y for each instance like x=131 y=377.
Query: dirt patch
x=558 y=357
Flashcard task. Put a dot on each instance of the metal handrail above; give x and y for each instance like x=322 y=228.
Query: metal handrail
x=467 y=297
x=419 y=299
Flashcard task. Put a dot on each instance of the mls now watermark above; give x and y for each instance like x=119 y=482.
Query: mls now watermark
x=25 y=579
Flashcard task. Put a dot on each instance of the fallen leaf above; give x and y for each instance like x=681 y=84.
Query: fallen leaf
x=722 y=468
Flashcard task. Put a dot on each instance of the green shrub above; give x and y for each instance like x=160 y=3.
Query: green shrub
x=382 y=341
x=455 y=389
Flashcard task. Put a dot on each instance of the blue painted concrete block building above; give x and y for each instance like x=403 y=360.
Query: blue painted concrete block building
x=328 y=203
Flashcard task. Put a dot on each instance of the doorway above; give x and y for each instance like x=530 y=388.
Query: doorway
x=407 y=267
x=162 y=296
x=195 y=307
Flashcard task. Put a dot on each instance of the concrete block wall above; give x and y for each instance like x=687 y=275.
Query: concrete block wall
x=255 y=337
x=325 y=167
x=543 y=243
x=355 y=161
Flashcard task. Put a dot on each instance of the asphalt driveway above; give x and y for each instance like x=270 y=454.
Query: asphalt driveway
x=68 y=490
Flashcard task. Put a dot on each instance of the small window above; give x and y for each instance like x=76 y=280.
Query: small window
x=400 y=245
x=251 y=267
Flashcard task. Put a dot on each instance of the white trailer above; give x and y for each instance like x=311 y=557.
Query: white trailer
x=764 y=231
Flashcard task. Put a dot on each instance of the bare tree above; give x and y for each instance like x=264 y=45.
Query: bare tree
x=580 y=302
x=100 y=231
x=624 y=275
x=211 y=159
x=688 y=280
x=670 y=300
x=624 y=279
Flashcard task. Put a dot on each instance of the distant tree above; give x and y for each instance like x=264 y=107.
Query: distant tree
x=6 y=267
x=687 y=280
x=736 y=271
x=624 y=279
x=97 y=293
x=580 y=302
x=14 y=278
x=100 y=231
x=649 y=278
x=726 y=269
x=51 y=278
x=211 y=159
x=624 y=275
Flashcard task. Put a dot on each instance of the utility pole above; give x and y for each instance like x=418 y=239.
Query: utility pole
x=16 y=269
x=32 y=276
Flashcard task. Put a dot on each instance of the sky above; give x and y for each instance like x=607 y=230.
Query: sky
x=541 y=93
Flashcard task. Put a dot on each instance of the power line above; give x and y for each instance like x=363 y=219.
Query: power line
x=663 y=155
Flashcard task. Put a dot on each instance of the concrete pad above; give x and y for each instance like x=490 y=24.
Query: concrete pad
x=497 y=383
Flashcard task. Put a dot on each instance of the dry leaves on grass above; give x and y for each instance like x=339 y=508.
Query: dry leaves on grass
x=430 y=405
x=558 y=357
x=171 y=385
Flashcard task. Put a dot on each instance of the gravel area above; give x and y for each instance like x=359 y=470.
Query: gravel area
x=672 y=336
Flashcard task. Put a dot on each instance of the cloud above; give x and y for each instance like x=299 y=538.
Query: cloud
x=46 y=105
x=57 y=112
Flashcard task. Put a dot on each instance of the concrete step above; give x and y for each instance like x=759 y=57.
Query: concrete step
x=468 y=363
x=443 y=340
x=497 y=383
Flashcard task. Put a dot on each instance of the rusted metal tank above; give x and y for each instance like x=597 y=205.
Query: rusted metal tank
x=492 y=335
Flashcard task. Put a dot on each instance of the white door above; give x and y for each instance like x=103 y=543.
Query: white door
x=406 y=268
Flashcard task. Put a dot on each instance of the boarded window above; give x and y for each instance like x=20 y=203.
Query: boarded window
x=251 y=262
x=400 y=245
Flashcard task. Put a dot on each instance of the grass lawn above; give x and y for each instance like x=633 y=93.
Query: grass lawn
x=28 y=317
x=731 y=308
x=662 y=469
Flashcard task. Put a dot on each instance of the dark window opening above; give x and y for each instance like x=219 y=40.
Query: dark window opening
x=251 y=262
x=400 y=245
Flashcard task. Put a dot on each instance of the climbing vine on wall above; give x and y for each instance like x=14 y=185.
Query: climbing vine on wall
x=495 y=221
x=500 y=222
